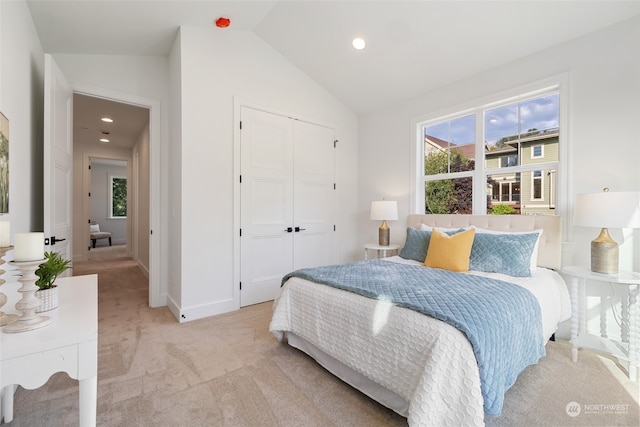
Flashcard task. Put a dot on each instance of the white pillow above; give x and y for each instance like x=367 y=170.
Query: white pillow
x=534 y=255
x=94 y=228
x=425 y=227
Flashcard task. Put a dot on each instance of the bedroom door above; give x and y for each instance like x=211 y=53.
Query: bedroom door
x=58 y=102
x=287 y=207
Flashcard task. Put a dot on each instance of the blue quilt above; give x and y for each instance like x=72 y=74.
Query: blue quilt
x=500 y=319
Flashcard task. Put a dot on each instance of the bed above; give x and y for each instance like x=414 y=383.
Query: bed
x=421 y=367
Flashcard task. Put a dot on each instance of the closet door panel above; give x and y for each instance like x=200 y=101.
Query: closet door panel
x=314 y=195
x=266 y=204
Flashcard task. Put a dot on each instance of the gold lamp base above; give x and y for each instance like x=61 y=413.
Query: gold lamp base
x=383 y=234
x=604 y=254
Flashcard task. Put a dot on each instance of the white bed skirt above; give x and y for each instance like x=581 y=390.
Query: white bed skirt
x=356 y=380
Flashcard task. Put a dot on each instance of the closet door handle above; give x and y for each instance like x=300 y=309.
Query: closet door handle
x=300 y=229
x=288 y=229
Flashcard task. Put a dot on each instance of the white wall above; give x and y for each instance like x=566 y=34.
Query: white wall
x=21 y=101
x=99 y=209
x=216 y=68
x=603 y=72
x=140 y=199
x=174 y=219
x=196 y=166
x=208 y=69
x=82 y=152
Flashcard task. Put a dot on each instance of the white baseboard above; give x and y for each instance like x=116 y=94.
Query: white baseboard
x=201 y=311
x=173 y=307
x=144 y=269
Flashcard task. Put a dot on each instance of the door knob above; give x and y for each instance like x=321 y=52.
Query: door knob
x=52 y=240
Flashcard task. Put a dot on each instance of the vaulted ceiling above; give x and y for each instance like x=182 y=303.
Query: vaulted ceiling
x=412 y=46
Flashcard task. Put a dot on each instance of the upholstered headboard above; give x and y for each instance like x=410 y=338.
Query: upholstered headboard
x=549 y=250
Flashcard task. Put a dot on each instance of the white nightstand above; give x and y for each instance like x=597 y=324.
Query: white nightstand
x=380 y=250
x=629 y=348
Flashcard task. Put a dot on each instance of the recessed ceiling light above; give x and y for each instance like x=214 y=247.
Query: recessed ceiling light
x=107 y=119
x=358 y=43
x=105 y=140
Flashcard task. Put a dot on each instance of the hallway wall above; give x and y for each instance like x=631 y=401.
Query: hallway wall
x=80 y=187
x=99 y=201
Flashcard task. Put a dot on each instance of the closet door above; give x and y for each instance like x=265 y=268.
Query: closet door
x=313 y=195
x=266 y=204
x=287 y=201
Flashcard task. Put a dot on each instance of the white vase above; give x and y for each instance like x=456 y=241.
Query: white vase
x=49 y=298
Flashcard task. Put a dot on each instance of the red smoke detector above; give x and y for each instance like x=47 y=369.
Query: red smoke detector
x=223 y=22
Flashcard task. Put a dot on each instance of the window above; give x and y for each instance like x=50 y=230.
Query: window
x=537 y=151
x=504 y=188
x=475 y=161
x=536 y=185
x=449 y=148
x=508 y=161
x=117 y=197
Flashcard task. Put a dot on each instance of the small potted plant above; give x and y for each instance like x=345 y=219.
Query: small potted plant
x=47 y=273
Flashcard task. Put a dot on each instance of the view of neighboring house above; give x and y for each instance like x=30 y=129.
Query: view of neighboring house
x=433 y=145
x=530 y=192
x=527 y=192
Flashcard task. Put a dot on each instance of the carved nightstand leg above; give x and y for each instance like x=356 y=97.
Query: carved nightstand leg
x=624 y=314
x=603 y=316
x=634 y=334
x=574 y=318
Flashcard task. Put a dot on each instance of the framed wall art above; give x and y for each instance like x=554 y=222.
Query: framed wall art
x=4 y=164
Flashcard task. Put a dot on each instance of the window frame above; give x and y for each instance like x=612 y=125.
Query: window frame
x=533 y=151
x=508 y=157
x=535 y=178
x=559 y=84
x=110 y=192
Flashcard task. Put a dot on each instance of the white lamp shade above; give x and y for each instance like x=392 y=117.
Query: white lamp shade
x=384 y=210
x=619 y=209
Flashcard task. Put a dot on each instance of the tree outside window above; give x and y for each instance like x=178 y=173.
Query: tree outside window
x=449 y=148
x=118 y=199
x=446 y=196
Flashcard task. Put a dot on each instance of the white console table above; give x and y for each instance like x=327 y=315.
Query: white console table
x=69 y=344
x=629 y=348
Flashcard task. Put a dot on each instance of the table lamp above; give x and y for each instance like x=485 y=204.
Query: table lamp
x=384 y=210
x=607 y=209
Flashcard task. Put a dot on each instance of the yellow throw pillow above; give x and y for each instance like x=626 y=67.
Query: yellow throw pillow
x=450 y=252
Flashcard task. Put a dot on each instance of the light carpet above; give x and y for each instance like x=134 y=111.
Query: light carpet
x=100 y=253
x=228 y=370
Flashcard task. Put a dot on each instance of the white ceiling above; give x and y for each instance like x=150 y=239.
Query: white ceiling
x=128 y=121
x=412 y=46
